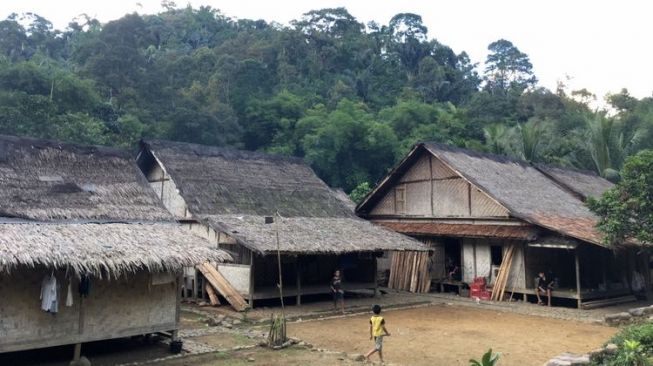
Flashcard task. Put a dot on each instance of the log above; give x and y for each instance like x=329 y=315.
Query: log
x=213 y=297
x=223 y=286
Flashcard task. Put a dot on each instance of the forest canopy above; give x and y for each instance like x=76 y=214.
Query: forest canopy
x=350 y=98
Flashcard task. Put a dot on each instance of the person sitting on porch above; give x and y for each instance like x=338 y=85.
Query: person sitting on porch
x=545 y=286
x=453 y=270
x=337 y=291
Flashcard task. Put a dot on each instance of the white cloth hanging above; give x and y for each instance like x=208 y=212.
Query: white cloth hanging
x=49 y=295
x=69 y=297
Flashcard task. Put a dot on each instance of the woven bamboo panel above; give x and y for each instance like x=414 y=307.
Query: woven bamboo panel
x=440 y=171
x=419 y=171
x=468 y=260
x=417 y=198
x=484 y=206
x=450 y=198
x=483 y=258
x=386 y=206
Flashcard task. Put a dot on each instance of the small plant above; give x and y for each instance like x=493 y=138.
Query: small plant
x=488 y=359
x=631 y=354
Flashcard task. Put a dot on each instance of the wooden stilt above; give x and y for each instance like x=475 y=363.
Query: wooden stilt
x=298 y=268
x=577 y=260
x=376 y=277
x=250 y=301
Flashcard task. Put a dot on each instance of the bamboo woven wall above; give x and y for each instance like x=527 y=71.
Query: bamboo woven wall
x=419 y=171
x=484 y=206
x=417 y=198
x=450 y=198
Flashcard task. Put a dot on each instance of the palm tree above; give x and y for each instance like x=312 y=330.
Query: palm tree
x=496 y=138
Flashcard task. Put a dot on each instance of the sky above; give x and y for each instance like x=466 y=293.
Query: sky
x=599 y=45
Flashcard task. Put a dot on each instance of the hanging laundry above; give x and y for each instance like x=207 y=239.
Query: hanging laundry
x=49 y=294
x=84 y=286
x=69 y=296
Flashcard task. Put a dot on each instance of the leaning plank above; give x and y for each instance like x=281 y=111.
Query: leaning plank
x=223 y=286
x=213 y=297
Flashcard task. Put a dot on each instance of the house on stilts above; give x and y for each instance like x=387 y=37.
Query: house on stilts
x=252 y=205
x=470 y=208
x=87 y=250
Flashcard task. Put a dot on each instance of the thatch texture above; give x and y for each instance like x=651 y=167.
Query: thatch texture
x=47 y=180
x=233 y=190
x=584 y=183
x=311 y=234
x=103 y=249
x=525 y=191
x=217 y=181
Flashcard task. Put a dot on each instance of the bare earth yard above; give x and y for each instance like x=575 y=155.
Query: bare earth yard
x=448 y=335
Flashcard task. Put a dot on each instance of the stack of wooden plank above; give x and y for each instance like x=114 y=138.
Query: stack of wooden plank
x=410 y=271
x=213 y=297
x=500 y=283
x=223 y=286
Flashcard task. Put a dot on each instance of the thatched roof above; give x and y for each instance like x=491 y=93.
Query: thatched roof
x=217 y=181
x=102 y=249
x=48 y=180
x=584 y=183
x=315 y=235
x=524 y=190
x=232 y=191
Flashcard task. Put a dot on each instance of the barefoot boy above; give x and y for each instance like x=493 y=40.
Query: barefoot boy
x=377 y=332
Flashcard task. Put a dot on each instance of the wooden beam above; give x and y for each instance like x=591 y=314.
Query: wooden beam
x=576 y=259
x=431 y=184
x=298 y=268
x=376 y=277
x=251 y=279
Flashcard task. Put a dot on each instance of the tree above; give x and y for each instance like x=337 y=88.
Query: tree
x=626 y=211
x=507 y=68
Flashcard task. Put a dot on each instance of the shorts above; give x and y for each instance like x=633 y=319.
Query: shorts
x=378 y=343
x=338 y=295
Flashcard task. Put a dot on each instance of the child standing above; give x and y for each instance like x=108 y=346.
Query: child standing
x=377 y=332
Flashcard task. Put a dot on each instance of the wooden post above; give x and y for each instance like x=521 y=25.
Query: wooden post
x=577 y=277
x=77 y=354
x=298 y=268
x=251 y=280
x=603 y=265
x=175 y=332
x=376 y=276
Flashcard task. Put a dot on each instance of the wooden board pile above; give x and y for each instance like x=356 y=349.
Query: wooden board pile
x=220 y=284
x=410 y=271
x=500 y=283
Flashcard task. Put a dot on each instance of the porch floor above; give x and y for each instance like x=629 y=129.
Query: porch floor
x=271 y=292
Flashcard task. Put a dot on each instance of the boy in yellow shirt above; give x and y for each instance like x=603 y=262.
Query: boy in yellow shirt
x=377 y=332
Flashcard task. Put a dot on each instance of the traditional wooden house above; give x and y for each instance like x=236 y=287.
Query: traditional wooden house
x=231 y=197
x=87 y=250
x=470 y=207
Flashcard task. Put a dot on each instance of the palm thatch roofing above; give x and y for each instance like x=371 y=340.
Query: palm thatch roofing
x=88 y=209
x=526 y=192
x=310 y=235
x=584 y=183
x=49 y=180
x=103 y=250
x=233 y=191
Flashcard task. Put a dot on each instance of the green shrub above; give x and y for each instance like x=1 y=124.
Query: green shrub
x=643 y=334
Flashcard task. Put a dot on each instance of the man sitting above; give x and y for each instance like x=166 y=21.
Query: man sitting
x=544 y=286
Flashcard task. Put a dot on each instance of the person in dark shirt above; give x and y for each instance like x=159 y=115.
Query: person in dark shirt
x=337 y=291
x=544 y=286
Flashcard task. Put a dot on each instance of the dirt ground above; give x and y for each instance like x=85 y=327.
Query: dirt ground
x=448 y=335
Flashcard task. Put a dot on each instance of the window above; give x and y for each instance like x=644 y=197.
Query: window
x=400 y=199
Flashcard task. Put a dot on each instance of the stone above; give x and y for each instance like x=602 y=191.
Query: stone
x=227 y=325
x=251 y=359
x=357 y=357
x=596 y=354
x=83 y=361
x=648 y=310
x=617 y=318
x=221 y=317
x=636 y=311
x=611 y=349
x=236 y=322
